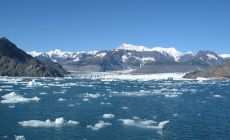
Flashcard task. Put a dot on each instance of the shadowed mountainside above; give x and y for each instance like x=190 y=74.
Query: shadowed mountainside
x=16 y=62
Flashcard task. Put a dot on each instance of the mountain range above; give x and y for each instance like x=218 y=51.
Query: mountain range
x=136 y=59
x=139 y=58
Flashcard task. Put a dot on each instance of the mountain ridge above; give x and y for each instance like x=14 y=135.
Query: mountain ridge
x=127 y=56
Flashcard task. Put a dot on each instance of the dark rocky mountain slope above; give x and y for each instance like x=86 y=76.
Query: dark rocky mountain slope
x=16 y=62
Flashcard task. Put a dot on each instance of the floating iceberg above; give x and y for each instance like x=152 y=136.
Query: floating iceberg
x=88 y=95
x=217 y=96
x=21 y=137
x=33 y=83
x=15 y=98
x=143 y=123
x=99 y=125
x=48 y=123
x=108 y=116
x=61 y=99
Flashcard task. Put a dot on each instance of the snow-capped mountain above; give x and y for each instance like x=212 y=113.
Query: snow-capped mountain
x=128 y=56
x=168 y=51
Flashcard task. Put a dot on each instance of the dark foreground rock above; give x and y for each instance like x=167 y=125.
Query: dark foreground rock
x=16 y=62
x=221 y=71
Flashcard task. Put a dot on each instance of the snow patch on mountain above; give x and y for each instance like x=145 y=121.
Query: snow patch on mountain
x=100 y=54
x=166 y=51
x=34 y=53
x=211 y=56
x=131 y=47
x=225 y=55
x=124 y=58
x=147 y=59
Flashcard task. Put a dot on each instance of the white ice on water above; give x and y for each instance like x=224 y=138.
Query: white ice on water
x=99 y=125
x=20 y=137
x=108 y=116
x=144 y=123
x=88 y=95
x=33 y=83
x=15 y=98
x=111 y=76
x=48 y=123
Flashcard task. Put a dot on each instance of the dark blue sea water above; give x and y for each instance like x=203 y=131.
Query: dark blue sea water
x=194 y=110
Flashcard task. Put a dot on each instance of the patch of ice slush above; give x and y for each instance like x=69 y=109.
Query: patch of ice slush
x=15 y=98
x=171 y=95
x=20 y=137
x=11 y=106
x=99 y=125
x=104 y=103
x=4 y=137
x=144 y=123
x=108 y=116
x=48 y=123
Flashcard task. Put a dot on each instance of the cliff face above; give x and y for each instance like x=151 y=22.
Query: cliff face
x=16 y=62
x=221 y=71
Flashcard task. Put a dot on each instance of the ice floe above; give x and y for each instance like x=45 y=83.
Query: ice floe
x=217 y=96
x=104 y=103
x=108 y=116
x=60 y=92
x=125 y=107
x=61 y=99
x=15 y=98
x=99 y=125
x=43 y=93
x=144 y=123
x=20 y=137
x=48 y=123
x=33 y=83
x=171 y=95
x=88 y=95
x=85 y=100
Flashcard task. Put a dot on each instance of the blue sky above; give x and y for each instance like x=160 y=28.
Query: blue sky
x=74 y=25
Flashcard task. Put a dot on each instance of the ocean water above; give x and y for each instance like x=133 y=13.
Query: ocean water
x=105 y=109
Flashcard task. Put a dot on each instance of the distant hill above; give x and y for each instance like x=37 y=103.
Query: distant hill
x=16 y=62
x=221 y=71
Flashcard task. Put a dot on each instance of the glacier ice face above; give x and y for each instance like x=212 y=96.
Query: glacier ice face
x=113 y=76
